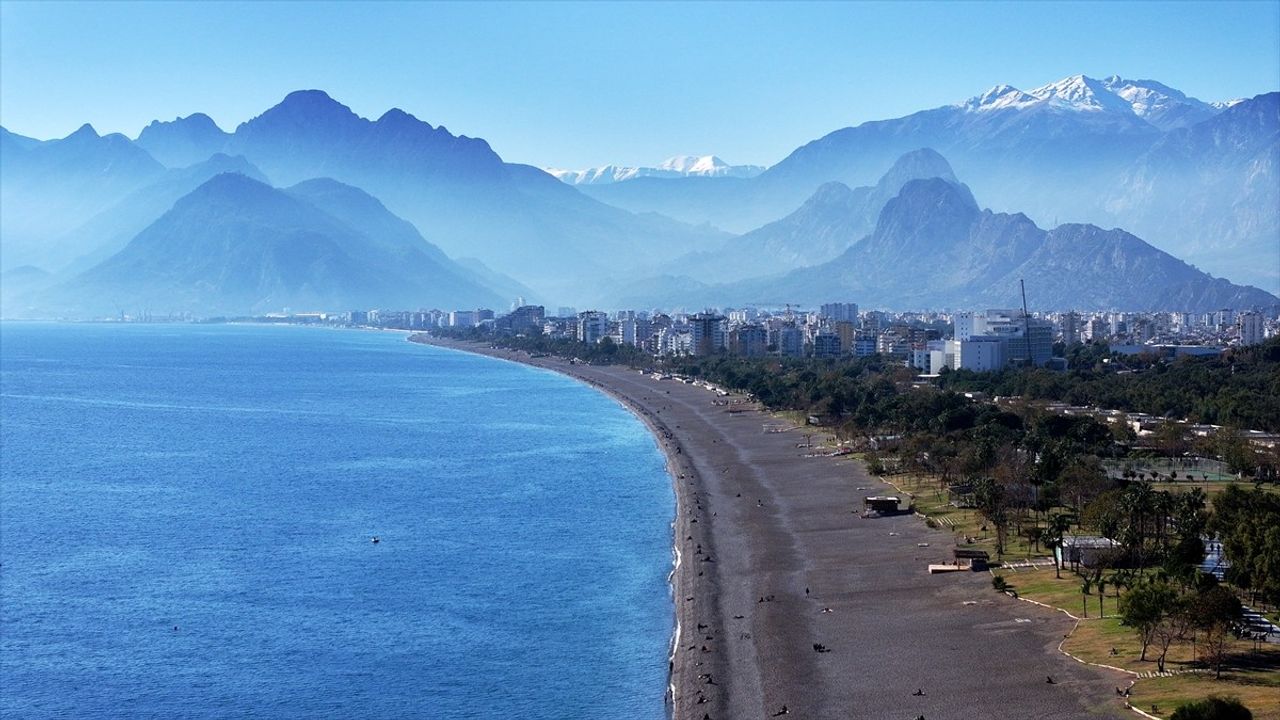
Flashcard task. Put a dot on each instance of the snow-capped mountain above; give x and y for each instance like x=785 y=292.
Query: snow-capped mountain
x=1156 y=103
x=1075 y=150
x=672 y=167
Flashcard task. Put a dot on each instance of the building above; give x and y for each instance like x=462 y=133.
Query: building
x=1249 y=328
x=864 y=344
x=1070 y=328
x=523 y=320
x=790 y=341
x=1087 y=550
x=463 y=319
x=968 y=324
x=840 y=312
x=593 y=326
x=826 y=345
x=708 y=333
x=847 y=331
x=748 y=341
x=1026 y=340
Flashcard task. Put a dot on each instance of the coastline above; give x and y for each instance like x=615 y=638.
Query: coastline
x=771 y=562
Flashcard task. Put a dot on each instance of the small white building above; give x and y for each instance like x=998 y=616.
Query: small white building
x=1086 y=550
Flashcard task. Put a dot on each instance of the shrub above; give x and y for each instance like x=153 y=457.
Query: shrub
x=1213 y=708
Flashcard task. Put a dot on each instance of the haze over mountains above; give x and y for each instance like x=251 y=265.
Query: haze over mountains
x=372 y=210
x=672 y=167
x=236 y=245
x=932 y=247
x=1112 y=152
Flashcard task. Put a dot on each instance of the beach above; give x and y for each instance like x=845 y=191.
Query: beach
x=776 y=563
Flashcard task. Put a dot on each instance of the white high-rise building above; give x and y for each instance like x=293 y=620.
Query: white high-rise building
x=1249 y=328
x=968 y=324
x=840 y=312
x=592 y=326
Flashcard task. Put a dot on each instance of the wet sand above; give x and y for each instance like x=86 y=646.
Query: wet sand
x=769 y=538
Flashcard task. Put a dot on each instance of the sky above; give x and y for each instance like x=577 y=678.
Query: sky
x=579 y=85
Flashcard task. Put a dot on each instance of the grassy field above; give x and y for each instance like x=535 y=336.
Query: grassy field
x=1254 y=678
x=1259 y=691
x=963 y=522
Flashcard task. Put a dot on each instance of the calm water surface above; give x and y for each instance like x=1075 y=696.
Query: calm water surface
x=186 y=515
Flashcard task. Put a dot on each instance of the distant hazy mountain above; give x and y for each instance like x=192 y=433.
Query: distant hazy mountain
x=505 y=285
x=831 y=220
x=110 y=230
x=235 y=245
x=183 y=141
x=1211 y=191
x=933 y=247
x=1069 y=151
x=517 y=219
x=15 y=141
x=673 y=167
x=48 y=188
x=16 y=284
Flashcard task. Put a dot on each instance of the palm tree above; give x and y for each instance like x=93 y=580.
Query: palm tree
x=1102 y=593
x=1054 y=536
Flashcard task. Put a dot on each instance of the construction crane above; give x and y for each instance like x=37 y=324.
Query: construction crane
x=1026 y=322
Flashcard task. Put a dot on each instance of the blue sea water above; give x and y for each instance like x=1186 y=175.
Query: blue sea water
x=186 y=515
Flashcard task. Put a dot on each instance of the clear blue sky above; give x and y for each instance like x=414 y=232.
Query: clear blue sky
x=576 y=85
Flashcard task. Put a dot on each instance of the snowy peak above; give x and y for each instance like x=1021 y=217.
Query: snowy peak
x=1159 y=104
x=1082 y=93
x=1000 y=97
x=695 y=164
x=1155 y=102
x=672 y=167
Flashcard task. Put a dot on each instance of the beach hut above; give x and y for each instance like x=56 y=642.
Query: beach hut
x=972 y=558
x=880 y=505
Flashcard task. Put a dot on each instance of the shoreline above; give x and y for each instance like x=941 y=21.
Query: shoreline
x=794 y=602
x=686 y=595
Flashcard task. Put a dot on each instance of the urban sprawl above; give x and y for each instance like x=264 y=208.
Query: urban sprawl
x=927 y=341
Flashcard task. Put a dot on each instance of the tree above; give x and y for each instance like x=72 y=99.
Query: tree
x=1171 y=628
x=1212 y=708
x=1086 y=587
x=1054 y=535
x=993 y=504
x=1143 y=608
x=1215 y=612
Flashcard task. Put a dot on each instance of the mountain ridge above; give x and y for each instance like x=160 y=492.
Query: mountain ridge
x=235 y=245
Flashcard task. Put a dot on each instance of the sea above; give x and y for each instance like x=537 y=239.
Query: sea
x=188 y=515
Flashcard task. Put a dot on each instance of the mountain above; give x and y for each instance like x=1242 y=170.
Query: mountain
x=1211 y=191
x=14 y=141
x=1161 y=105
x=934 y=247
x=110 y=230
x=403 y=246
x=673 y=167
x=517 y=219
x=831 y=220
x=504 y=285
x=18 y=283
x=183 y=141
x=236 y=245
x=1078 y=150
x=48 y=188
